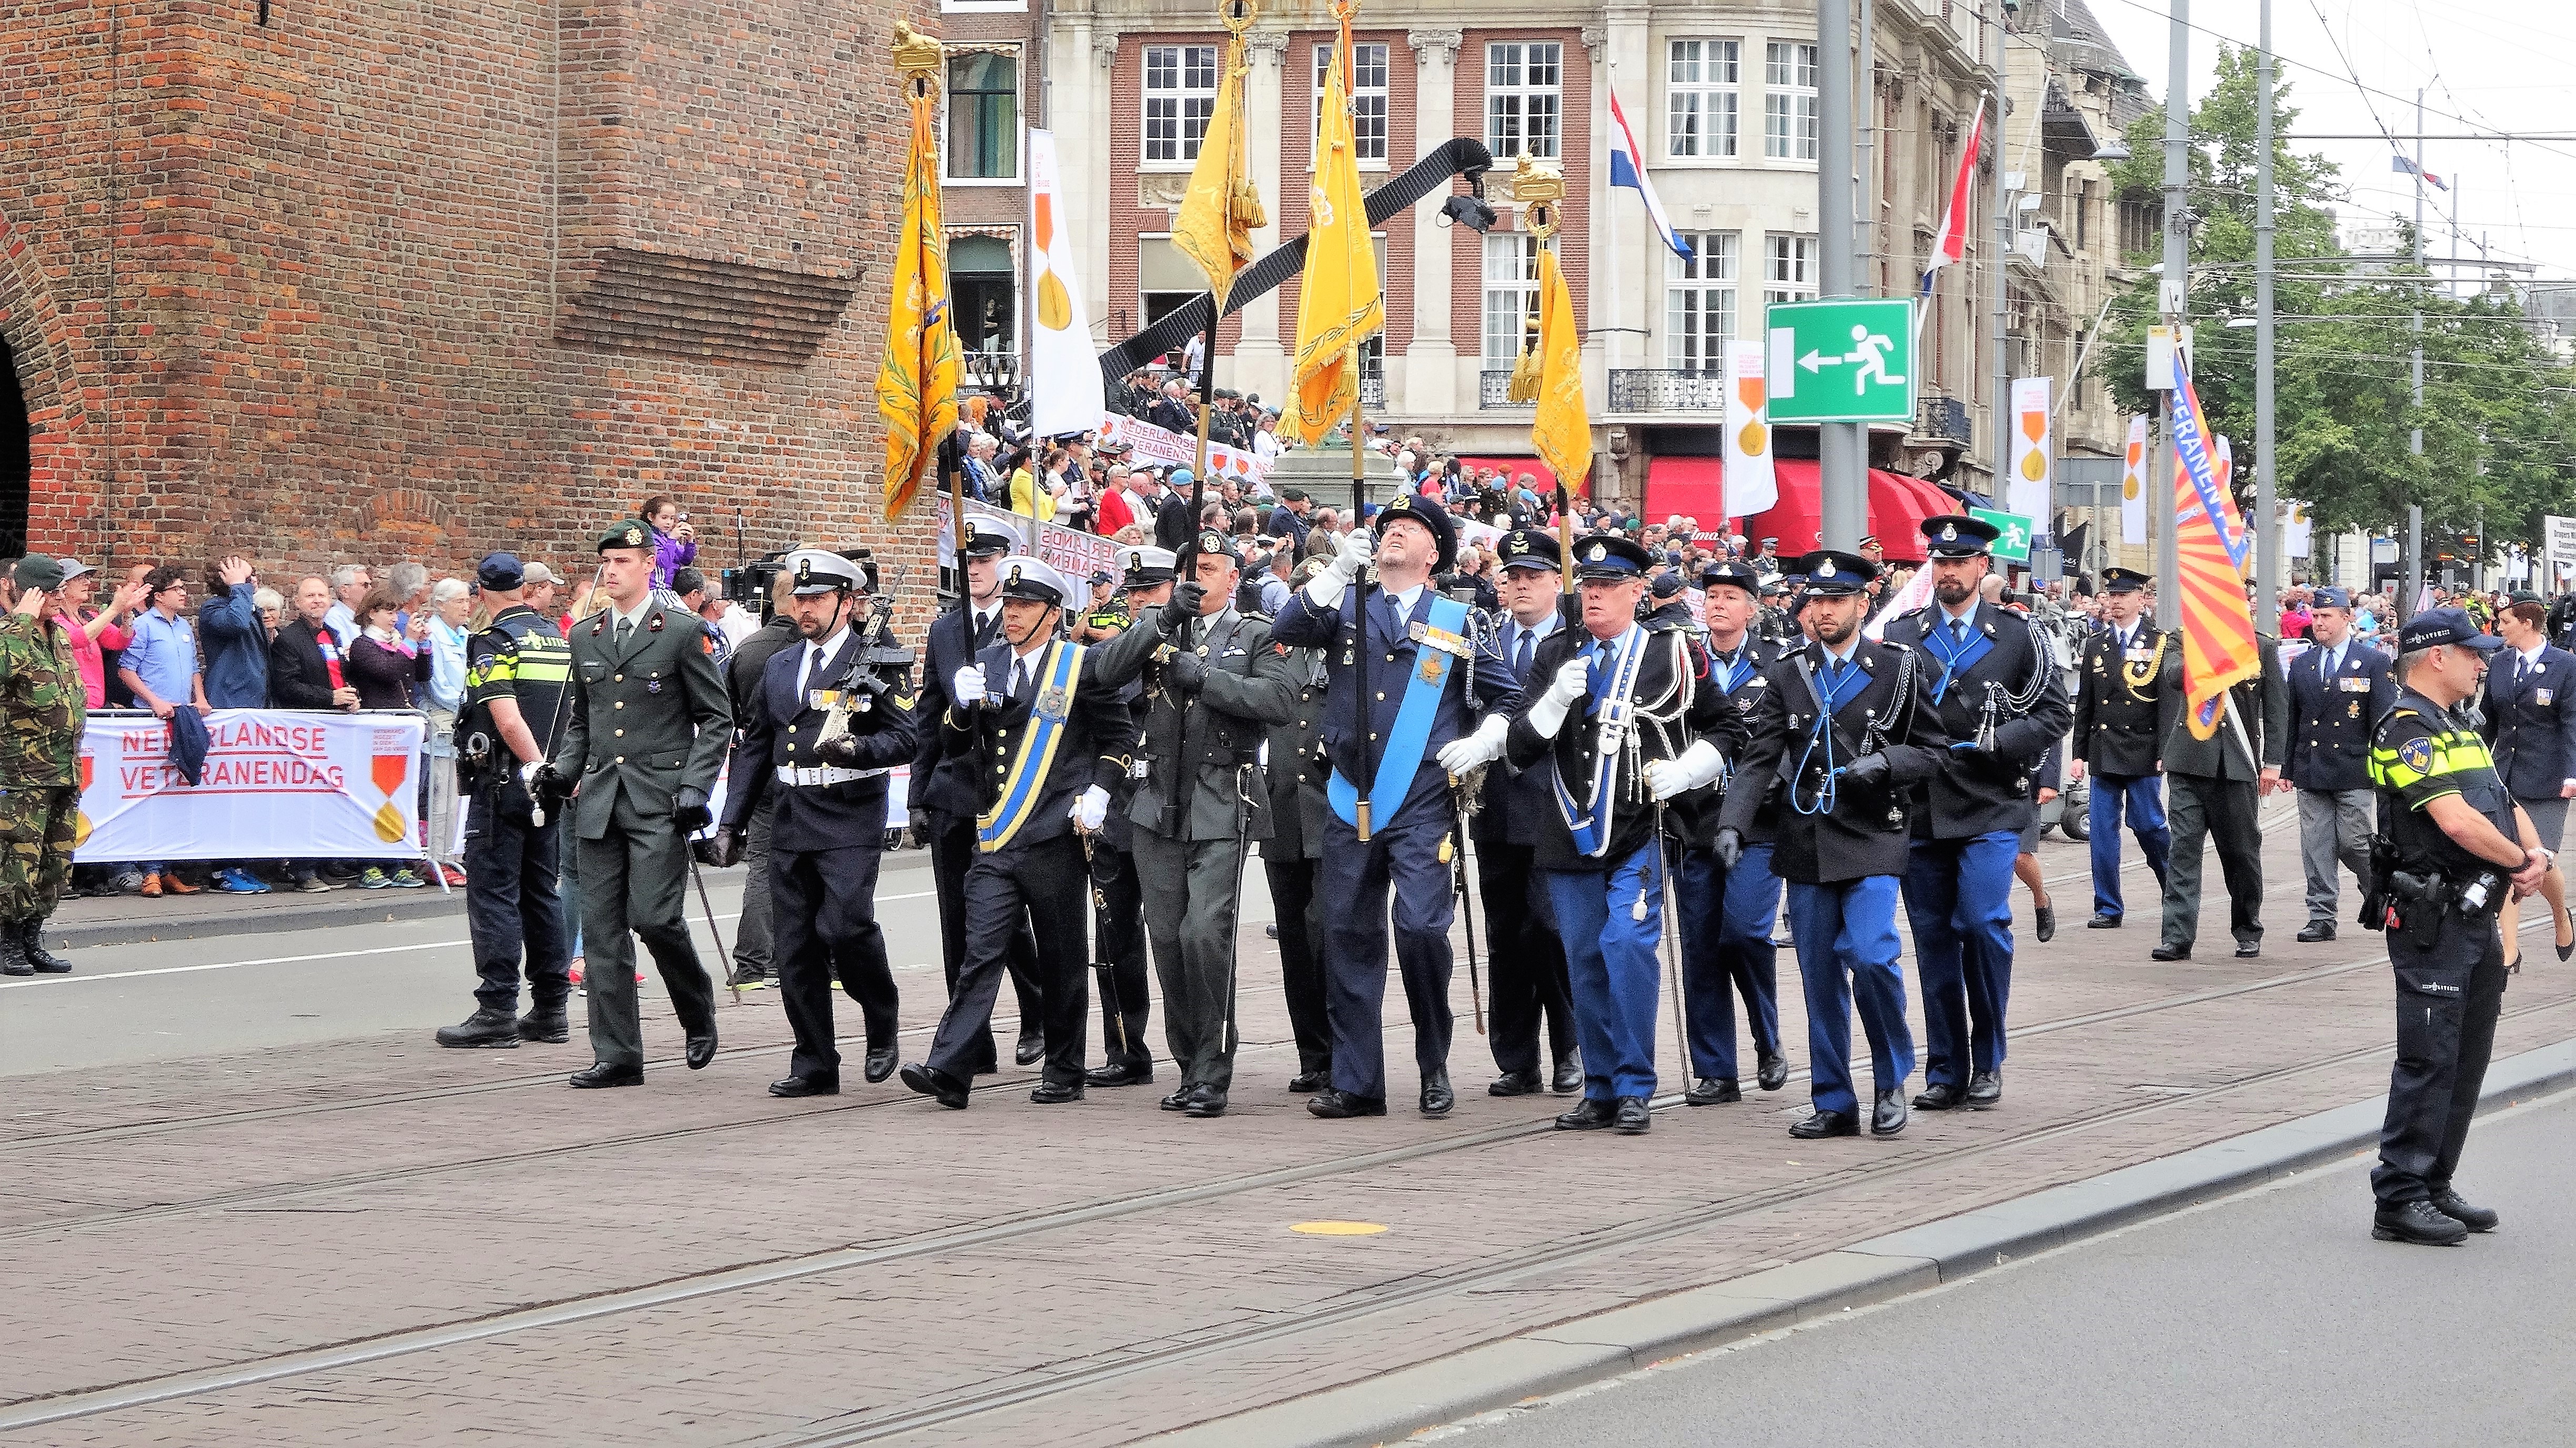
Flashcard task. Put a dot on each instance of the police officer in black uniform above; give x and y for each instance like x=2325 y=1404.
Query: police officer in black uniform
x=2458 y=843
x=2117 y=733
x=1529 y=978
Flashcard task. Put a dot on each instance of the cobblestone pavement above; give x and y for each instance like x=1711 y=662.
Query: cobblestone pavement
x=376 y=1241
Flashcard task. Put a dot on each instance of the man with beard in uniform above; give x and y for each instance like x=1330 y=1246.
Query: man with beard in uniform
x=1995 y=687
x=1848 y=727
x=2119 y=689
x=943 y=792
x=1529 y=979
x=1295 y=773
x=1118 y=893
x=820 y=734
x=1726 y=913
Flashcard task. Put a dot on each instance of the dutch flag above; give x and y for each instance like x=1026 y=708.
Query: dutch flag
x=1624 y=171
x=1951 y=242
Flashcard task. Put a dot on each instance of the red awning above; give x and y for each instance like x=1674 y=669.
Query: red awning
x=1695 y=487
x=1512 y=468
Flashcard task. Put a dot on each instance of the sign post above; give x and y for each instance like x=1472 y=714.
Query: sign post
x=1846 y=360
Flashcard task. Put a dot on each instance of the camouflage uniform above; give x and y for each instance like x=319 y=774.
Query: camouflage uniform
x=41 y=711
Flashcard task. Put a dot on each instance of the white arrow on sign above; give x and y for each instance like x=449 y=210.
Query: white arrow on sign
x=1814 y=360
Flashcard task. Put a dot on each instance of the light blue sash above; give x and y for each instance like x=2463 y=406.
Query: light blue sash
x=1403 y=753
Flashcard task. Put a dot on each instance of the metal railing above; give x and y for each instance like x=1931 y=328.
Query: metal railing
x=1659 y=389
x=1373 y=389
x=1945 y=418
x=1493 y=389
x=996 y=372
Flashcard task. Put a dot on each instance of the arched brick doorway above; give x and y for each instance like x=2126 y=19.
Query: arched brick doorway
x=17 y=456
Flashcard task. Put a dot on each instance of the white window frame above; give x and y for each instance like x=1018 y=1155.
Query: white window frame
x=1692 y=290
x=1188 y=102
x=1789 y=107
x=1509 y=266
x=1019 y=115
x=1515 y=58
x=1703 y=90
x=1788 y=267
x=1365 y=99
x=983 y=7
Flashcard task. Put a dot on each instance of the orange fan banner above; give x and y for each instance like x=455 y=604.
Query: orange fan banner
x=2210 y=544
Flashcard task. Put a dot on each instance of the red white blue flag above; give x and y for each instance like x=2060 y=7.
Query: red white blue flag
x=1624 y=171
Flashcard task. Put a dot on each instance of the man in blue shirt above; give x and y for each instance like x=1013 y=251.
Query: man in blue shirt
x=161 y=667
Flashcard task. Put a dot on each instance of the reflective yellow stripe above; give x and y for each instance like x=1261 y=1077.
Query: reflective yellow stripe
x=2454 y=751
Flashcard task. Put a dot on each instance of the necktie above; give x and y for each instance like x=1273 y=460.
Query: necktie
x=1958 y=631
x=813 y=670
x=1521 y=656
x=983 y=630
x=625 y=628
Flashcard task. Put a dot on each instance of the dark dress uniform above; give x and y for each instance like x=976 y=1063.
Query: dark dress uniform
x=1294 y=776
x=752 y=964
x=827 y=805
x=2210 y=786
x=648 y=729
x=2530 y=724
x=1528 y=984
x=2337 y=696
x=513 y=900
x=1118 y=933
x=2117 y=732
x=1726 y=913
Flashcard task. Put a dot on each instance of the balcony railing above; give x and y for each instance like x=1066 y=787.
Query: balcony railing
x=1373 y=389
x=1668 y=390
x=994 y=372
x=1944 y=418
x=1493 y=389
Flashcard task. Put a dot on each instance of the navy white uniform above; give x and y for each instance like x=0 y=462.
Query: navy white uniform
x=2337 y=696
x=2116 y=732
x=1528 y=984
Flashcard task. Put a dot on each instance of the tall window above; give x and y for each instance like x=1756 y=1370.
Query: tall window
x=1523 y=97
x=1789 y=102
x=1701 y=85
x=1368 y=96
x=1789 y=269
x=1699 y=303
x=1180 y=95
x=984 y=116
x=1511 y=294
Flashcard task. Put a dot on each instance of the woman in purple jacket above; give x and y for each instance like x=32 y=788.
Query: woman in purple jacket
x=675 y=543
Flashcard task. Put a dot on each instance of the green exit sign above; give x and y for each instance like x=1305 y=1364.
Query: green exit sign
x=1850 y=359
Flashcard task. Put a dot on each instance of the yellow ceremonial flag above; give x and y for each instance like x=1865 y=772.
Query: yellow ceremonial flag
x=1338 y=303
x=1222 y=208
x=917 y=381
x=1562 y=430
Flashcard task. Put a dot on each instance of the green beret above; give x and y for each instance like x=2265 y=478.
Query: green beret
x=626 y=533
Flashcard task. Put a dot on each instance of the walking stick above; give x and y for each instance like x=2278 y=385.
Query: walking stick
x=1672 y=955
x=1456 y=848
x=732 y=982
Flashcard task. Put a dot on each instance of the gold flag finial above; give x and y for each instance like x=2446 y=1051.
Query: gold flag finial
x=1238 y=15
x=1538 y=186
x=917 y=56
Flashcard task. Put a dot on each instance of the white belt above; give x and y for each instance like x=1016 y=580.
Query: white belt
x=825 y=774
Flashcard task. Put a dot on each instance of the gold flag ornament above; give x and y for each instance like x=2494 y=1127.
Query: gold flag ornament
x=917 y=381
x=1561 y=433
x=1339 y=305
x=1222 y=208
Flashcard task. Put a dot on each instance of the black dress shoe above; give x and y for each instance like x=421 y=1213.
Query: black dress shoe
x=1306 y=1083
x=2044 y=922
x=1634 y=1119
x=1569 y=1074
x=1333 y=1103
x=2170 y=952
x=880 y=1064
x=1986 y=1089
x=1437 y=1098
x=2316 y=930
x=2476 y=1219
x=1827 y=1123
x=548 y=1026
x=2419 y=1222
x=600 y=1074
x=1589 y=1114
x=1119 y=1073
x=1181 y=1098
x=1887 y=1117
x=2103 y=920
x=1206 y=1103
x=1713 y=1091
x=2248 y=949
x=801 y=1086
x=1516 y=1083
x=1939 y=1098
x=1056 y=1093
x=931 y=1081
x=702 y=1048
x=1029 y=1049
x=1771 y=1070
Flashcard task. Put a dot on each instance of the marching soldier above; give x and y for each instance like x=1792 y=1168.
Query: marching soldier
x=1396 y=725
x=754 y=950
x=1600 y=855
x=825 y=725
x=1848 y=727
x=1995 y=688
x=1529 y=980
x=42 y=709
x=1727 y=912
x=1118 y=894
x=1215 y=685
x=1778 y=623
x=2338 y=690
x=1290 y=857
x=2119 y=688
x=2216 y=785
x=647 y=732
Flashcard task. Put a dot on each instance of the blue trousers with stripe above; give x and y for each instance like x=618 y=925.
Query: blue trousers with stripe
x=1610 y=960
x=1847 y=953
x=1958 y=897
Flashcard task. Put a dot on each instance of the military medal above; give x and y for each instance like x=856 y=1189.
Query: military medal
x=1052 y=703
x=2355 y=708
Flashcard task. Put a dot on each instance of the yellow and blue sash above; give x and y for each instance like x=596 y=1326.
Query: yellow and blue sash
x=1447 y=623
x=1028 y=774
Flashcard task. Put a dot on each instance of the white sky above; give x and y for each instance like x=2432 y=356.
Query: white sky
x=2486 y=65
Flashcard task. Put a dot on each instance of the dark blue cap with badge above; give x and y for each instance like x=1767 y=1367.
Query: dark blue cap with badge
x=2123 y=580
x=2331 y=598
x=502 y=571
x=1414 y=507
x=1610 y=559
x=1831 y=573
x=1732 y=574
x=2435 y=627
x=1530 y=548
x=1956 y=535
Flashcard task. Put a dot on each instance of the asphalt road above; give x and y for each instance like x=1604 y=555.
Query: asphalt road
x=129 y=1004
x=2270 y=1318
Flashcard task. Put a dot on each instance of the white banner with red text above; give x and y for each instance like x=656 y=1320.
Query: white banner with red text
x=1177 y=450
x=276 y=784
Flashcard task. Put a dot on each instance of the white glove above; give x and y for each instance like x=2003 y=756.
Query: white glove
x=1573 y=680
x=1324 y=590
x=1695 y=766
x=1475 y=750
x=966 y=686
x=1091 y=809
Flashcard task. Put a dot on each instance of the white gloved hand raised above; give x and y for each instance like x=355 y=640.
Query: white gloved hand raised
x=966 y=686
x=1693 y=767
x=1324 y=590
x=1573 y=679
x=1090 y=809
x=1472 y=751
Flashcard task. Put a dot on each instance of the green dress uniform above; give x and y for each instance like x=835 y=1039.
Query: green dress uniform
x=648 y=729
x=42 y=708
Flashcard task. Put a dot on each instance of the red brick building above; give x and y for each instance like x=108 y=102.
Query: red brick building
x=313 y=280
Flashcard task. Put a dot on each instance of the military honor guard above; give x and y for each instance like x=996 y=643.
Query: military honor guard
x=1727 y=912
x=2338 y=690
x=1117 y=889
x=1214 y=688
x=1398 y=658
x=942 y=794
x=2530 y=724
x=1848 y=727
x=2118 y=735
x=647 y=731
x=2213 y=787
x=42 y=708
x=1295 y=776
x=1993 y=684
x=1529 y=986
x=817 y=740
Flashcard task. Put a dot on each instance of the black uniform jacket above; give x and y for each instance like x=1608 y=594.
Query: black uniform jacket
x=1979 y=792
x=2531 y=721
x=1249 y=688
x=1731 y=728
x=1294 y=765
x=778 y=732
x=1669 y=707
x=2118 y=727
x=1518 y=801
x=1865 y=832
x=2261 y=704
x=2331 y=719
x=939 y=782
x=1091 y=748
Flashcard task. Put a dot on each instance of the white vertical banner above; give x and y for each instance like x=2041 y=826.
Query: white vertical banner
x=2133 y=490
x=1065 y=393
x=2298 y=531
x=2032 y=445
x=2560 y=535
x=1752 y=486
